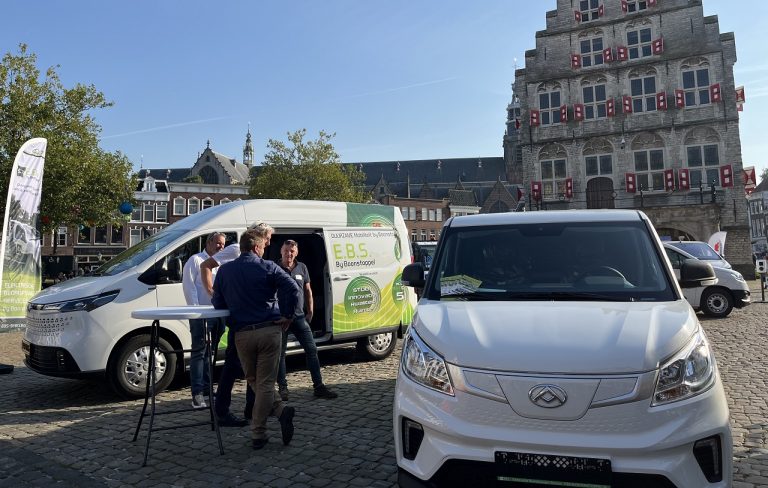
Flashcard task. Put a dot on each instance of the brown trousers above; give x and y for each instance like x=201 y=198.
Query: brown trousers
x=259 y=353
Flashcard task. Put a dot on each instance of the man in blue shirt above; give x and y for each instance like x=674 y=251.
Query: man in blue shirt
x=247 y=287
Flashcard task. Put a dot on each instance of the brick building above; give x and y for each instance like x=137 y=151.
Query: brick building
x=632 y=104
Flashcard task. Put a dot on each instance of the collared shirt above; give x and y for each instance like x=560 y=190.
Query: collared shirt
x=194 y=291
x=247 y=287
x=229 y=253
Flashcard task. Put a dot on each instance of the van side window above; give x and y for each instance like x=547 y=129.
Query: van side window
x=167 y=270
x=675 y=258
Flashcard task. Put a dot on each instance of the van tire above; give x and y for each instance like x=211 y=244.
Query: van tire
x=129 y=365
x=716 y=302
x=377 y=346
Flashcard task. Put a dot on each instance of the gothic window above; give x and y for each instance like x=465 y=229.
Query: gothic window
x=590 y=10
x=599 y=165
x=553 y=173
x=591 y=51
x=209 y=175
x=639 y=43
x=594 y=99
x=636 y=5
x=649 y=169
x=702 y=150
x=549 y=107
x=696 y=86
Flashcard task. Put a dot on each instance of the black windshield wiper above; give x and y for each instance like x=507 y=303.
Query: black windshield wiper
x=566 y=296
x=473 y=296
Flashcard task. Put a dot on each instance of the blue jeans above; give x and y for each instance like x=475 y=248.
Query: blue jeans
x=199 y=376
x=229 y=373
x=300 y=329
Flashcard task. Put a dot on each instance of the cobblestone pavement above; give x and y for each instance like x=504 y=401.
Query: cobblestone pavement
x=59 y=432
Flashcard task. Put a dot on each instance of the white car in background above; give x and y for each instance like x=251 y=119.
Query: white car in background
x=701 y=250
x=717 y=299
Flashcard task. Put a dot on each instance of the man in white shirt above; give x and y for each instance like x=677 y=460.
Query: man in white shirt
x=195 y=294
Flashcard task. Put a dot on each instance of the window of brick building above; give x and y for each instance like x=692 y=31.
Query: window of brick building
x=553 y=173
x=590 y=10
x=149 y=212
x=179 y=206
x=639 y=43
x=100 y=235
x=84 y=235
x=549 y=107
x=193 y=205
x=61 y=236
x=649 y=169
x=117 y=234
x=696 y=87
x=591 y=51
x=703 y=164
x=162 y=213
x=594 y=101
x=599 y=165
x=636 y=5
x=439 y=214
x=643 y=91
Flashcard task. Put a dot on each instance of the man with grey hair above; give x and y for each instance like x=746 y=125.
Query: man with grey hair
x=232 y=368
x=195 y=294
x=247 y=287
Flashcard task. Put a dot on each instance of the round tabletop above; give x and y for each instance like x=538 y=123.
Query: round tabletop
x=181 y=312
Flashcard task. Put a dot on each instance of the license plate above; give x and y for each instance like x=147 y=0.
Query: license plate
x=552 y=470
x=25 y=347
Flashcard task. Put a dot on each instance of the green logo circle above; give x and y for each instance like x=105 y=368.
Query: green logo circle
x=398 y=292
x=362 y=296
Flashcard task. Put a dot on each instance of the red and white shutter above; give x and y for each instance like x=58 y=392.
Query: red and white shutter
x=564 y=114
x=569 y=188
x=714 y=92
x=684 y=178
x=535 y=118
x=577 y=15
x=575 y=61
x=651 y=3
x=578 y=111
x=679 y=98
x=626 y=106
x=624 y=6
x=536 y=190
x=669 y=179
x=600 y=10
x=608 y=55
x=611 y=107
x=631 y=183
x=661 y=101
x=658 y=45
x=726 y=176
x=621 y=53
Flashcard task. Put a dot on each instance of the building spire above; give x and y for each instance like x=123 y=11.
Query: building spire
x=248 y=149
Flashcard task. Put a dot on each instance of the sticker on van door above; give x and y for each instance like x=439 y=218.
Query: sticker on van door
x=365 y=276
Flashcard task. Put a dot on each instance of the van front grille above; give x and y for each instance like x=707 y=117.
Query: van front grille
x=46 y=325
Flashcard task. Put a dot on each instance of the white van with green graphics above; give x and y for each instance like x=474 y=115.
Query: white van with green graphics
x=355 y=254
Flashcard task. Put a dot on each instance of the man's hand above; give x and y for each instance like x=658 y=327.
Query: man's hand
x=206 y=274
x=309 y=315
x=283 y=322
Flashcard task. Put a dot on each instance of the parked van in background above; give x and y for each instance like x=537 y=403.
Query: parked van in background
x=716 y=299
x=701 y=250
x=557 y=349
x=355 y=254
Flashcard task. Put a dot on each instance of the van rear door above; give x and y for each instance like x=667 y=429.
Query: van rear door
x=364 y=266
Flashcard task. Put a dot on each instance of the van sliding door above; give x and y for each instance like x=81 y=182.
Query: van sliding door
x=365 y=278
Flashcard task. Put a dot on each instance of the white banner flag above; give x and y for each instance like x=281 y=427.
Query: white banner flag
x=717 y=242
x=20 y=272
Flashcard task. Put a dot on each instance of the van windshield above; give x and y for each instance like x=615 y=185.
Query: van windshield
x=603 y=261
x=137 y=254
x=699 y=250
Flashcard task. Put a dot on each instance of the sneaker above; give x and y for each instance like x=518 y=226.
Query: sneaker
x=198 y=401
x=286 y=424
x=322 y=391
x=282 y=390
x=230 y=420
x=259 y=443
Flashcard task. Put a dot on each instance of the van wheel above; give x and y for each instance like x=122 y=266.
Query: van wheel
x=129 y=367
x=377 y=346
x=716 y=302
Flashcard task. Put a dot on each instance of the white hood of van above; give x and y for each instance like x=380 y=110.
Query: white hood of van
x=556 y=337
x=83 y=286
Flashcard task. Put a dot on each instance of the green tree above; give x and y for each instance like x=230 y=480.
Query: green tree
x=82 y=184
x=306 y=170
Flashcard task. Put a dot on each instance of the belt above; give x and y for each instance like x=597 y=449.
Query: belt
x=260 y=325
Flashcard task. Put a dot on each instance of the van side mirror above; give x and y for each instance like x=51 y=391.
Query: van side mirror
x=695 y=273
x=413 y=275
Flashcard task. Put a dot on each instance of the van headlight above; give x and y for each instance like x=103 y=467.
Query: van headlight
x=85 y=304
x=688 y=373
x=425 y=366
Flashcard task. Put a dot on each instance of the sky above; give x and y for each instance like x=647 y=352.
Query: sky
x=394 y=79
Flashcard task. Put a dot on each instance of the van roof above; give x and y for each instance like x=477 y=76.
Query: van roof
x=549 y=216
x=288 y=213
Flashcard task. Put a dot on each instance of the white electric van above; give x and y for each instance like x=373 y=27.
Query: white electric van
x=355 y=254
x=557 y=349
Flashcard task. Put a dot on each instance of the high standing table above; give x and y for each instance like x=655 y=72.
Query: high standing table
x=178 y=313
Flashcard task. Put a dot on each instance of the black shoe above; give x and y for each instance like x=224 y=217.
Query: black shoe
x=322 y=391
x=230 y=420
x=259 y=443
x=286 y=424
